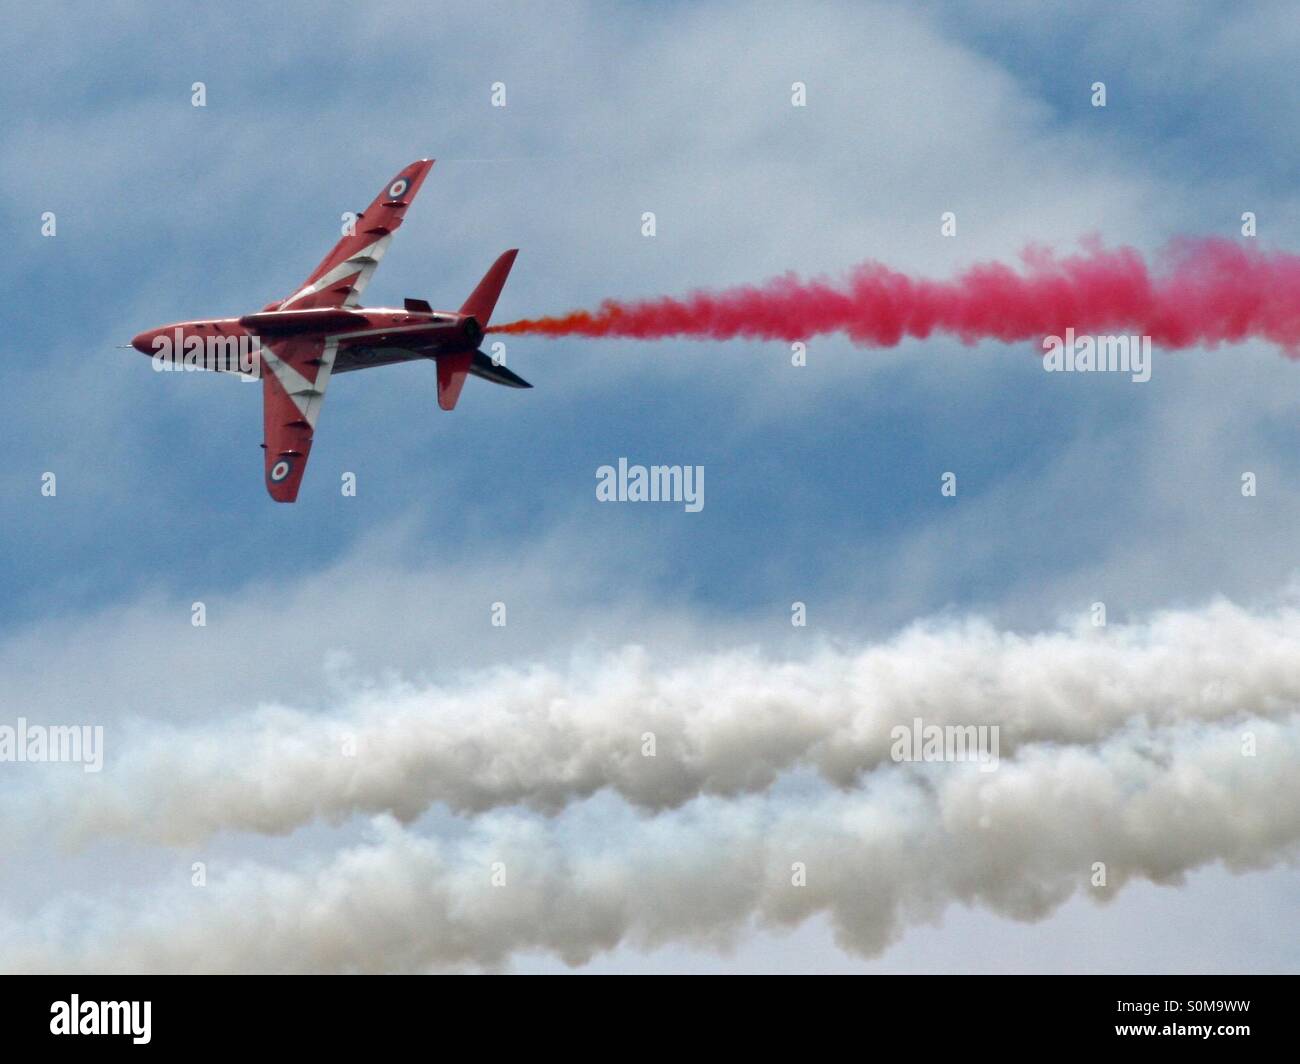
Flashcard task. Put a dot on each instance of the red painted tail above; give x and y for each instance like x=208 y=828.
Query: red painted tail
x=454 y=368
x=483 y=299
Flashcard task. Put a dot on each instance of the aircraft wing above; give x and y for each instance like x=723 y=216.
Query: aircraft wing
x=295 y=372
x=344 y=273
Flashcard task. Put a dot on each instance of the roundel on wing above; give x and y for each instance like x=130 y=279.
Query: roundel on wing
x=280 y=470
x=398 y=188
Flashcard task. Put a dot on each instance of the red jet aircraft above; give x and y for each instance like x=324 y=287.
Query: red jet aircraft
x=296 y=345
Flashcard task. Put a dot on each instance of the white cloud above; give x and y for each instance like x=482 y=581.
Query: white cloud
x=724 y=723
x=1019 y=841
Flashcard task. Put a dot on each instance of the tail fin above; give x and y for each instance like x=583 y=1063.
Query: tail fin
x=483 y=299
x=454 y=368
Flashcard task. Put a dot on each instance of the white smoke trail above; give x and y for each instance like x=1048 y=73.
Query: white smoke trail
x=723 y=724
x=911 y=842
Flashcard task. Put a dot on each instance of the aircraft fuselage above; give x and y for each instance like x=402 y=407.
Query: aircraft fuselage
x=367 y=336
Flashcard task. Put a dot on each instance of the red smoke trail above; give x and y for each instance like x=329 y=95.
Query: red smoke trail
x=1204 y=292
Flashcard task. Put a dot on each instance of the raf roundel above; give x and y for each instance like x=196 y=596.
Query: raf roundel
x=280 y=470
x=398 y=188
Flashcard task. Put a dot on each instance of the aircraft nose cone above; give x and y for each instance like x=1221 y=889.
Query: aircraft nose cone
x=144 y=342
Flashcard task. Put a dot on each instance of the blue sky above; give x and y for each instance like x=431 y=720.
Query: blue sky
x=822 y=482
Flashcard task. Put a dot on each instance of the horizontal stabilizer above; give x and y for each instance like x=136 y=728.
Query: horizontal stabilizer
x=484 y=367
x=452 y=370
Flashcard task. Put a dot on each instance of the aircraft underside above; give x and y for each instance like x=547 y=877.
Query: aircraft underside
x=321 y=330
x=350 y=358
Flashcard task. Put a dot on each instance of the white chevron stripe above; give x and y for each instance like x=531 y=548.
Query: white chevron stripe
x=306 y=395
x=363 y=264
x=317 y=397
